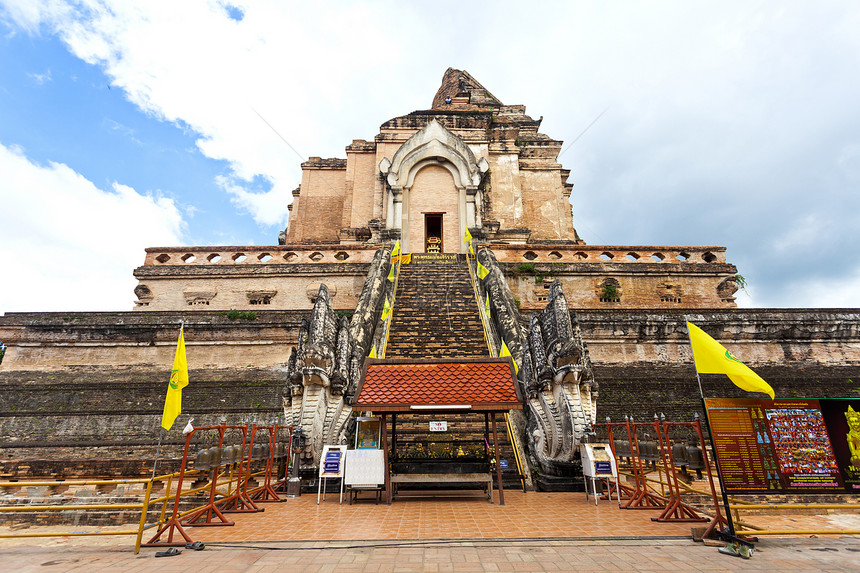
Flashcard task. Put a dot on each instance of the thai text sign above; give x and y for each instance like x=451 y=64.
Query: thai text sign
x=793 y=445
x=331 y=462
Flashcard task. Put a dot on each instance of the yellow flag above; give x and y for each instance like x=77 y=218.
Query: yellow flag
x=178 y=381
x=405 y=259
x=391 y=274
x=372 y=352
x=487 y=305
x=396 y=250
x=467 y=236
x=482 y=271
x=386 y=310
x=471 y=250
x=505 y=352
x=711 y=357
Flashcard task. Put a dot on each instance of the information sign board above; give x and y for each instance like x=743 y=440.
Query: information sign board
x=332 y=461
x=792 y=445
x=331 y=466
x=440 y=426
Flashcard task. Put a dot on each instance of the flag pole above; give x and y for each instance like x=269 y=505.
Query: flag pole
x=690 y=341
x=157 y=450
x=161 y=428
x=726 y=507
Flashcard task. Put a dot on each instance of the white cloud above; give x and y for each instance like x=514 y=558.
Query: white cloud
x=733 y=124
x=69 y=245
x=40 y=78
x=268 y=208
x=216 y=75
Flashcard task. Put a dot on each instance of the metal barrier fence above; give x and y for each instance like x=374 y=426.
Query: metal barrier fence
x=639 y=449
x=228 y=479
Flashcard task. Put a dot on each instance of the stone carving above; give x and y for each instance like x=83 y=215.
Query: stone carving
x=727 y=289
x=555 y=373
x=323 y=368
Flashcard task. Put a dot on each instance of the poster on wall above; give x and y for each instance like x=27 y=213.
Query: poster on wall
x=793 y=445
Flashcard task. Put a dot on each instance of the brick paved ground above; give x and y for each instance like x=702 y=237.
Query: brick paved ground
x=532 y=532
x=820 y=555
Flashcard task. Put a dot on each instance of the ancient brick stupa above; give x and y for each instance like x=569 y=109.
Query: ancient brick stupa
x=281 y=332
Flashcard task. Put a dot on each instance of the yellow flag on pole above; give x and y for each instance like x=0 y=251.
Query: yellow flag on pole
x=391 y=274
x=396 y=250
x=487 y=305
x=372 y=352
x=467 y=236
x=471 y=250
x=178 y=381
x=711 y=357
x=386 y=310
x=505 y=352
x=482 y=271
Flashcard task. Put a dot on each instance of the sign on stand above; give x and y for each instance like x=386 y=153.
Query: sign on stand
x=331 y=466
x=598 y=463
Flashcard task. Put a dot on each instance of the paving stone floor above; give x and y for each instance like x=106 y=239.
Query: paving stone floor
x=532 y=514
x=532 y=532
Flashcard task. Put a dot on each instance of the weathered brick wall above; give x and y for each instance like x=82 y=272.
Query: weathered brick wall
x=287 y=285
x=318 y=209
x=643 y=363
x=84 y=392
x=107 y=419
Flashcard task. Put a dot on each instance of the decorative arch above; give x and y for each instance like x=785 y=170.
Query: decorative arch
x=433 y=145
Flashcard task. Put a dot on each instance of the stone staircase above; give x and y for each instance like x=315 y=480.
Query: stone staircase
x=435 y=313
x=436 y=316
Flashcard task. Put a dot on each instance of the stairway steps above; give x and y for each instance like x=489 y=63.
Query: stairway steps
x=435 y=313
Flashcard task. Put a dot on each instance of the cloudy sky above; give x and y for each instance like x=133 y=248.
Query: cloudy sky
x=122 y=127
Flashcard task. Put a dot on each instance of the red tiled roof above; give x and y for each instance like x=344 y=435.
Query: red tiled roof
x=483 y=384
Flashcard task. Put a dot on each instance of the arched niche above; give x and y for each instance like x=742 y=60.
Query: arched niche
x=433 y=145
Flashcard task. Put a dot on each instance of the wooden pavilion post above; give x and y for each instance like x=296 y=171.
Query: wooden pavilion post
x=385 y=459
x=498 y=461
x=394 y=435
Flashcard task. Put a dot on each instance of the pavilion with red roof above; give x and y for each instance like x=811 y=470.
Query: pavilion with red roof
x=480 y=385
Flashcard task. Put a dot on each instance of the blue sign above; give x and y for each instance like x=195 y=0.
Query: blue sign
x=603 y=467
x=503 y=464
x=331 y=467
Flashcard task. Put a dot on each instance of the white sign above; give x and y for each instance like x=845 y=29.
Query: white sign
x=331 y=466
x=438 y=426
x=331 y=463
x=598 y=461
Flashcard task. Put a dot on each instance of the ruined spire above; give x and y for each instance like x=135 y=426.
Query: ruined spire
x=461 y=88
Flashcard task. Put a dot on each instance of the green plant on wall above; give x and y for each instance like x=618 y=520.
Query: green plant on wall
x=236 y=314
x=525 y=268
x=610 y=291
x=742 y=283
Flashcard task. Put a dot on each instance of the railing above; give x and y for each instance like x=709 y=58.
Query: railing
x=143 y=506
x=608 y=254
x=251 y=255
x=489 y=340
x=387 y=324
x=289 y=254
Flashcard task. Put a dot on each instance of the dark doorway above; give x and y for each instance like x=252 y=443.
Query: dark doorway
x=433 y=233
